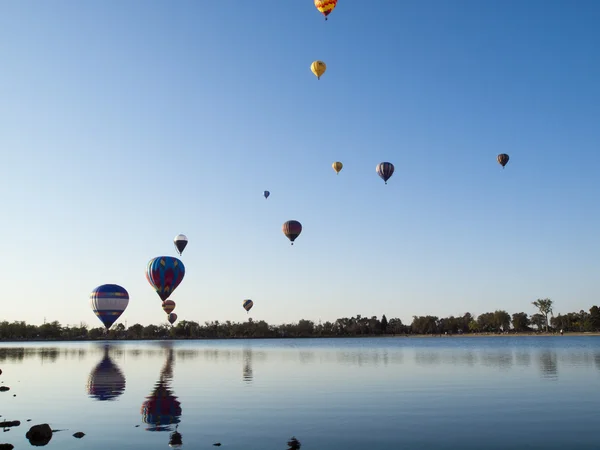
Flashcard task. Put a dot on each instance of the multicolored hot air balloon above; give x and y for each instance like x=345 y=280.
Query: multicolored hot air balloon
x=318 y=68
x=337 y=166
x=106 y=381
x=248 y=304
x=503 y=159
x=292 y=229
x=168 y=306
x=180 y=242
x=108 y=303
x=266 y=194
x=325 y=6
x=385 y=170
x=165 y=273
x=172 y=318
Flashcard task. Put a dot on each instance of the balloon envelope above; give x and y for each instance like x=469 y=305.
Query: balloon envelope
x=266 y=194
x=108 y=303
x=180 y=242
x=168 y=306
x=337 y=166
x=248 y=304
x=503 y=159
x=318 y=68
x=292 y=229
x=172 y=318
x=385 y=170
x=165 y=273
x=325 y=6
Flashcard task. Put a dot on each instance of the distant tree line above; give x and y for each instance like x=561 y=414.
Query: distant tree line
x=495 y=322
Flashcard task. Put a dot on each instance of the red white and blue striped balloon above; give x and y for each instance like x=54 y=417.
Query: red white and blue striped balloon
x=108 y=303
x=385 y=170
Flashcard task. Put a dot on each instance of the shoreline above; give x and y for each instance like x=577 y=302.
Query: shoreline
x=387 y=336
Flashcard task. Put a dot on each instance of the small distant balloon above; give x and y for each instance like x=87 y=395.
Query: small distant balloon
x=292 y=229
x=325 y=6
x=108 y=303
x=168 y=306
x=248 y=304
x=503 y=159
x=337 y=166
x=172 y=318
x=266 y=194
x=318 y=68
x=180 y=242
x=385 y=170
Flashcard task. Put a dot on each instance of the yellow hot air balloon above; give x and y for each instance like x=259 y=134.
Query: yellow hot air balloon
x=337 y=166
x=325 y=6
x=318 y=68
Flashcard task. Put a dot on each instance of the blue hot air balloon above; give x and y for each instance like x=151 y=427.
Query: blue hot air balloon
x=248 y=304
x=164 y=273
x=266 y=194
x=108 y=303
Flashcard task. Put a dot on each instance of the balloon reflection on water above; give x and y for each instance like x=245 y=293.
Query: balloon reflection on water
x=106 y=381
x=162 y=410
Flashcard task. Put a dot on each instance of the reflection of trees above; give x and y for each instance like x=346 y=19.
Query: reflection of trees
x=247 y=373
x=548 y=364
x=162 y=410
x=106 y=381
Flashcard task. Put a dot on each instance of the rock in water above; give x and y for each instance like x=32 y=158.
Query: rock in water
x=39 y=435
x=6 y=446
x=9 y=423
x=79 y=434
x=4 y=388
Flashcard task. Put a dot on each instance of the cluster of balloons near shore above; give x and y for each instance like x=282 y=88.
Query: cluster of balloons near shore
x=165 y=273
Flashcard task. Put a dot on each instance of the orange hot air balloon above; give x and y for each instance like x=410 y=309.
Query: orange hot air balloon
x=168 y=306
x=325 y=6
x=292 y=229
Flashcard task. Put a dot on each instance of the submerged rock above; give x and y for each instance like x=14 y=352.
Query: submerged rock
x=79 y=434
x=6 y=446
x=39 y=435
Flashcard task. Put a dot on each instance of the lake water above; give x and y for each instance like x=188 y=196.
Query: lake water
x=332 y=394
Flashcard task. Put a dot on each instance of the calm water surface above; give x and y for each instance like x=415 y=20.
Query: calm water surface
x=390 y=393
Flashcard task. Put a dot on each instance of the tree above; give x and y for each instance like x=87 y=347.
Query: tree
x=520 y=321
x=544 y=305
x=384 y=324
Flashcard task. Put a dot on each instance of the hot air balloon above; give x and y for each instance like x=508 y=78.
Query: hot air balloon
x=266 y=194
x=172 y=318
x=385 y=170
x=248 y=304
x=318 y=68
x=164 y=273
x=180 y=242
x=168 y=306
x=108 y=303
x=106 y=381
x=503 y=159
x=325 y=6
x=292 y=229
x=337 y=166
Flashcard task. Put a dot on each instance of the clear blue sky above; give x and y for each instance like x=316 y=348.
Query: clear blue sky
x=124 y=123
